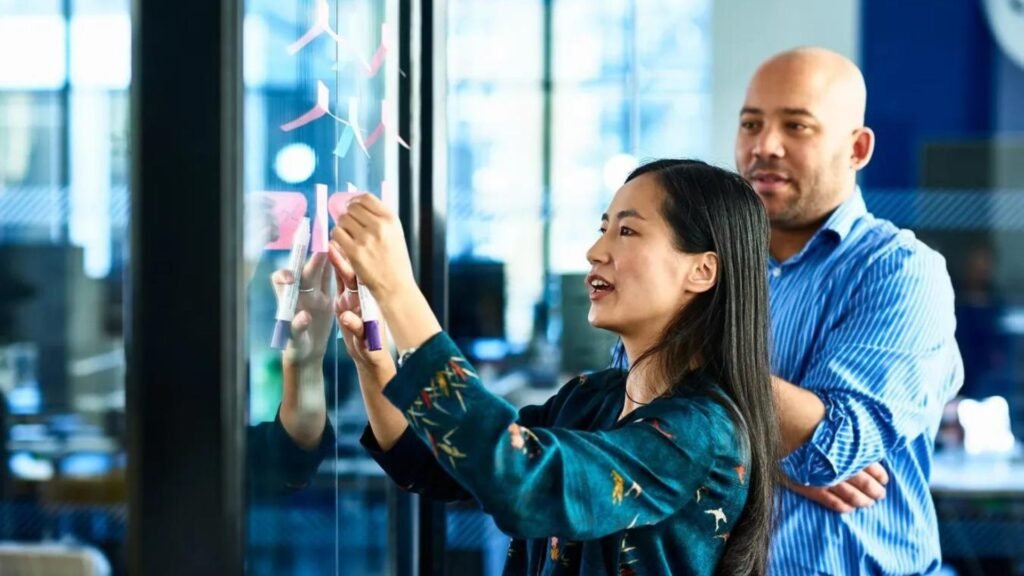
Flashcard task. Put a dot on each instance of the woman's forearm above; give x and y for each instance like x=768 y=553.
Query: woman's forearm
x=303 y=405
x=386 y=422
x=411 y=322
x=409 y=317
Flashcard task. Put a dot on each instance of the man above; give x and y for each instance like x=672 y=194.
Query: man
x=864 y=354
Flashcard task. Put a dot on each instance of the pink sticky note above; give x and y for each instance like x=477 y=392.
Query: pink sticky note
x=382 y=52
x=353 y=122
x=338 y=204
x=320 y=221
x=288 y=210
x=385 y=128
x=323 y=97
x=372 y=138
x=321 y=25
x=339 y=200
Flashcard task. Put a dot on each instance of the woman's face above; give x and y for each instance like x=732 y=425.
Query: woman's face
x=638 y=279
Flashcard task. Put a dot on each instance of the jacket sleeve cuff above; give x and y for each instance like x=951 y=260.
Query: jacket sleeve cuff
x=428 y=359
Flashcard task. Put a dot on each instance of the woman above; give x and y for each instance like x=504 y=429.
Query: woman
x=667 y=468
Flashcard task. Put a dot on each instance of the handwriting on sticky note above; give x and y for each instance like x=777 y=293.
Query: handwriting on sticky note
x=287 y=210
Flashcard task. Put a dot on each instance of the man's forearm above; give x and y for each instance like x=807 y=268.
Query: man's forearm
x=800 y=412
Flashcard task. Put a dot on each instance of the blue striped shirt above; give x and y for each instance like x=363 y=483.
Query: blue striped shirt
x=863 y=317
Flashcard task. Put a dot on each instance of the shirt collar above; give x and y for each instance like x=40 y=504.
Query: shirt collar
x=837 y=226
x=842 y=219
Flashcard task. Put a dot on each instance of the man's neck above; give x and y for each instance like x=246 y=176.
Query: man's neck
x=787 y=242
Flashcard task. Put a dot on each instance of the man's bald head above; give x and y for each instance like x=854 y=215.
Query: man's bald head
x=802 y=137
x=832 y=78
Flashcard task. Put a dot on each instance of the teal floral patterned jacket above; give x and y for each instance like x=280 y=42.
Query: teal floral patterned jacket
x=578 y=490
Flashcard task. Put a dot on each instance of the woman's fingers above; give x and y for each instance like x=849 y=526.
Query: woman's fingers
x=371 y=204
x=325 y=274
x=343 y=270
x=280 y=279
x=352 y=329
x=347 y=302
x=352 y=324
x=356 y=210
x=301 y=323
x=351 y=233
x=313 y=271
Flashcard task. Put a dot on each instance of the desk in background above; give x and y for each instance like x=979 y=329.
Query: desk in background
x=980 y=505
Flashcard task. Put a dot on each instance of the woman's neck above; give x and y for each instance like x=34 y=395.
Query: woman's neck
x=643 y=384
x=635 y=346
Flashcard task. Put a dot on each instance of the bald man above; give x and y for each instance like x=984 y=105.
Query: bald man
x=864 y=355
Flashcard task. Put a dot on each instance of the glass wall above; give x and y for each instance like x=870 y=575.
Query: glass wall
x=63 y=236
x=320 y=108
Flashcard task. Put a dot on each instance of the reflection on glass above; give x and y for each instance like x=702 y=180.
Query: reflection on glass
x=320 y=92
x=63 y=233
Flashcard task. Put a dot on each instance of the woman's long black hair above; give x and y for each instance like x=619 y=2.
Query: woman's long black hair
x=725 y=330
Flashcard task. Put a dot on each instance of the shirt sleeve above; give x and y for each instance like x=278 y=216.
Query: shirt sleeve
x=277 y=466
x=537 y=481
x=411 y=464
x=885 y=369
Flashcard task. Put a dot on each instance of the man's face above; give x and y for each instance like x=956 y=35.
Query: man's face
x=790 y=145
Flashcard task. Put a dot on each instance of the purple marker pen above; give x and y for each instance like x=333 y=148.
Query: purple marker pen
x=371 y=318
x=290 y=295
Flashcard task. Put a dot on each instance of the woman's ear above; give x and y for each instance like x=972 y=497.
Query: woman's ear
x=703 y=272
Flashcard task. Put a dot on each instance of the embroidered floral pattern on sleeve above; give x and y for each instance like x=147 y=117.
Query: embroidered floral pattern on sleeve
x=577 y=489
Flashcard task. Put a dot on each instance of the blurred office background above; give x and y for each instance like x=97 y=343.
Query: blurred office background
x=548 y=106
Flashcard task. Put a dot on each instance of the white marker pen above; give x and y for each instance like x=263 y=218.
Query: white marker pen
x=290 y=295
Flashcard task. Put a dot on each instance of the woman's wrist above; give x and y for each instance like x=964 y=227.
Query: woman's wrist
x=409 y=317
x=375 y=377
x=312 y=364
x=396 y=292
x=298 y=376
x=303 y=410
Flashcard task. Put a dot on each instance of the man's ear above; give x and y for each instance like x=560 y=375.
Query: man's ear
x=703 y=272
x=863 y=147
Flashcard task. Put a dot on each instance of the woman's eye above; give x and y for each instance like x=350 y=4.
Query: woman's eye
x=602 y=230
x=624 y=231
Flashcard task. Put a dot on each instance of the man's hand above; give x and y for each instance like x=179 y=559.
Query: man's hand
x=861 y=491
